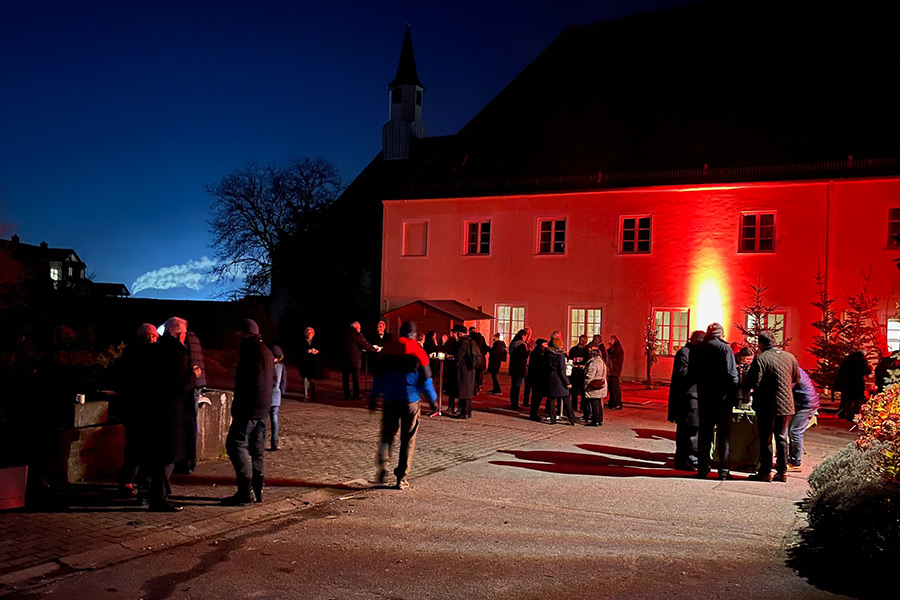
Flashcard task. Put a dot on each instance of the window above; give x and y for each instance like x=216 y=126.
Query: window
x=893 y=334
x=774 y=323
x=55 y=272
x=757 y=232
x=893 y=228
x=551 y=236
x=510 y=319
x=478 y=237
x=583 y=321
x=672 y=329
x=415 y=238
x=635 y=234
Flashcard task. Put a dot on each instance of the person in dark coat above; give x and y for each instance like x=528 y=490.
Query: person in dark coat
x=497 y=357
x=538 y=376
x=518 y=365
x=354 y=345
x=558 y=384
x=851 y=383
x=467 y=357
x=131 y=374
x=481 y=343
x=192 y=409
x=172 y=388
x=683 y=409
x=806 y=404
x=253 y=383
x=711 y=366
x=308 y=364
x=381 y=336
x=615 y=362
x=598 y=342
x=580 y=354
x=530 y=344
x=772 y=376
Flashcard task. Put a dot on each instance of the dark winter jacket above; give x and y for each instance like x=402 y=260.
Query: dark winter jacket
x=851 y=376
x=497 y=356
x=172 y=383
x=537 y=370
x=616 y=359
x=579 y=355
x=467 y=358
x=354 y=344
x=253 y=380
x=711 y=366
x=557 y=383
x=806 y=396
x=518 y=358
x=196 y=357
x=683 y=408
x=772 y=376
x=308 y=362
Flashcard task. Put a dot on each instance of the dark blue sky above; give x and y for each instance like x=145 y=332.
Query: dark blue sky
x=115 y=114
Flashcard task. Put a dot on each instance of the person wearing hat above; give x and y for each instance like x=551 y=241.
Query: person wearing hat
x=711 y=365
x=466 y=358
x=683 y=408
x=279 y=387
x=246 y=439
x=404 y=378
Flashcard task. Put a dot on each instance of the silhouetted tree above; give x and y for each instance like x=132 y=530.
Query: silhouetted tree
x=828 y=348
x=759 y=318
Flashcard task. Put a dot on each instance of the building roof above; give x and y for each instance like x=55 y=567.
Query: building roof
x=109 y=289
x=709 y=92
x=452 y=308
x=30 y=253
x=406 y=69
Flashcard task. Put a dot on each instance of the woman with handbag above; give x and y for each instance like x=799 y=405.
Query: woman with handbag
x=595 y=388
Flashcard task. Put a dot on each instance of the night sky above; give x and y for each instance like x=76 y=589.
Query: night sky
x=115 y=115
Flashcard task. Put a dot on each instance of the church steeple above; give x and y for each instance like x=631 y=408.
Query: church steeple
x=405 y=124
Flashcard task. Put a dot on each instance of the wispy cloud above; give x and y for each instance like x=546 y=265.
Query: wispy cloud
x=194 y=275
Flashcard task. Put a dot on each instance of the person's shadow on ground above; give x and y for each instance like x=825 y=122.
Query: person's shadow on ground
x=609 y=461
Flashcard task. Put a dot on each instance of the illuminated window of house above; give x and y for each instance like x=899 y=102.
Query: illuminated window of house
x=583 y=321
x=634 y=234
x=672 y=329
x=551 y=236
x=893 y=228
x=510 y=319
x=757 y=232
x=415 y=238
x=774 y=323
x=893 y=334
x=478 y=237
x=55 y=273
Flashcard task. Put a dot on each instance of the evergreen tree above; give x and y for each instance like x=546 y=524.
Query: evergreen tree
x=651 y=348
x=862 y=326
x=759 y=318
x=828 y=347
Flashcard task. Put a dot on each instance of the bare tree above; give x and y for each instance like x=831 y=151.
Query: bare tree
x=260 y=211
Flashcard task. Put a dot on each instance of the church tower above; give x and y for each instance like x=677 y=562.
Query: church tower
x=405 y=123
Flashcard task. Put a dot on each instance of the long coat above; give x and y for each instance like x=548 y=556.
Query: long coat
x=683 y=408
x=711 y=365
x=468 y=357
x=616 y=359
x=557 y=381
x=172 y=380
x=308 y=362
x=354 y=344
x=253 y=380
x=497 y=356
x=518 y=358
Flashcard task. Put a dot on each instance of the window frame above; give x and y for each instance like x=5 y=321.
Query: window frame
x=510 y=322
x=620 y=247
x=893 y=239
x=480 y=223
x=672 y=342
x=553 y=232
x=404 y=224
x=893 y=343
x=779 y=335
x=757 y=238
x=585 y=330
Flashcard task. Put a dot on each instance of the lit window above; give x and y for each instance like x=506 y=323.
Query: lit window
x=71 y=272
x=478 y=237
x=893 y=334
x=672 y=329
x=55 y=273
x=551 y=236
x=757 y=232
x=635 y=234
x=415 y=239
x=510 y=319
x=774 y=323
x=893 y=228
x=583 y=321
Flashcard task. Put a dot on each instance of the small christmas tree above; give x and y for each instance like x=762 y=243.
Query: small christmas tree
x=828 y=347
x=862 y=326
x=759 y=318
x=651 y=348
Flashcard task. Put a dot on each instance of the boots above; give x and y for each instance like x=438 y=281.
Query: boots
x=257 y=486
x=242 y=497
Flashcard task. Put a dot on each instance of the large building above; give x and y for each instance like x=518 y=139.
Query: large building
x=656 y=167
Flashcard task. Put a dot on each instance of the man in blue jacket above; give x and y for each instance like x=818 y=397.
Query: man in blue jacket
x=404 y=378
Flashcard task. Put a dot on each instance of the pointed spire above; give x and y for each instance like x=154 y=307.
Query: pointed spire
x=406 y=69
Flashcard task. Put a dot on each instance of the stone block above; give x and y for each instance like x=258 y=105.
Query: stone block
x=92 y=453
x=213 y=421
x=91 y=414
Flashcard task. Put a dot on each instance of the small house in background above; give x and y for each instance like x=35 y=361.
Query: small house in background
x=439 y=316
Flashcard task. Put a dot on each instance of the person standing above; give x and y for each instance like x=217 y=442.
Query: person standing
x=530 y=345
x=173 y=387
x=615 y=362
x=497 y=356
x=518 y=365
x=558 y=384
x=308 y=364
x=354 y=345
x=405 y=378
x=595 y=385
x=580 y=355
x=772 y=376
x=253 y=383
x=192 y=409
x=279 y=387
x=481 y=343
x=851 y=383
x=382 y=336
x=597 y=341
x=467 y=357
x=806 y=403
x=683 y=408
x=711 y=366
x=538 y=377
